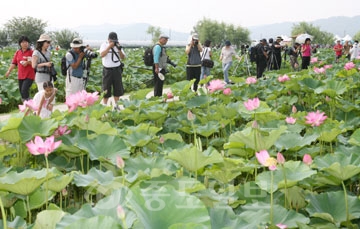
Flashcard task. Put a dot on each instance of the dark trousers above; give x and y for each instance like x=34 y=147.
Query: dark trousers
x=193 y=73
x=158 y=83
x=24 y=87
x=260 y=67
x=305 y=62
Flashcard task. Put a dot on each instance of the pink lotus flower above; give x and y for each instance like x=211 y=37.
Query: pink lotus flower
x=281 y=226
x=264 y=158
x=349 y=65
x=283 y=78
x=319 y=70
x=315 y=119
x=251 y=80
x=227 y=91
x=314 y=60
x=82 y=99
x=190 y=116
x=280 y=158
x=161 y=140
x=28 y=104
x=290 y=120
x=328 y=66
x=0 y=100
x=120 y=212
x=170 y=95
x=38 y=146
x=307 y=159
x=62 y=130
x=64 y=192
x=120 y=162
x=216 y=85
x=252 y=104
x=293 y=109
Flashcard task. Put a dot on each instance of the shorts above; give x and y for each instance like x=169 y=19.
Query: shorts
x=112 y=80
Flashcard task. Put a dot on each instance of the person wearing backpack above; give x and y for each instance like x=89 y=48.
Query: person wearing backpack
x=75 y=80
x=262 y=57
x=160 y=64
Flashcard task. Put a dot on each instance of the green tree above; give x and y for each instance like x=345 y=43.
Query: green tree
x=25 y=26
x=64 y=37
x=319 y=37
x=4 y=38
x=154 y=32
x=356 y=37
x=219 y=32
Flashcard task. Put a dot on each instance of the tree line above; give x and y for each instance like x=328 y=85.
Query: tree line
x=217 y=32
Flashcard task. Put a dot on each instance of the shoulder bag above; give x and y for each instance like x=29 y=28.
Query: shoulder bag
x=206 y=62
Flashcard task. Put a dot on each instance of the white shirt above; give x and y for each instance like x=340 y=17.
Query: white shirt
x=205 y=54
x=354 y=51
x=110 y=60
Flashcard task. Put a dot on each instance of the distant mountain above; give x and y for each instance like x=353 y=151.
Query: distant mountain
x=335 y=25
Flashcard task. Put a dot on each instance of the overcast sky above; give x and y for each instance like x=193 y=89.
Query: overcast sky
x=175 y=15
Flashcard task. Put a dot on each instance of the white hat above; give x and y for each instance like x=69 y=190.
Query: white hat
x=44 y=37
x=77 y=43
x=163 y=36
x=195 y=36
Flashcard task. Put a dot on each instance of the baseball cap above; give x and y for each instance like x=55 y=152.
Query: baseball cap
x=263 y=40
x=113 y=36
x=164 y=36
x=76 y=43
x=227 y=43
x=195 y=36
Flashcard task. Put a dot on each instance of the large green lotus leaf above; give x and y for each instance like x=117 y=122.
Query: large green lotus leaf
x=26 y=182
x=310 y=83
x=69 y=146
x=58 y=183
x=141 y=135
x=295 y=171
x=223 y=217
x=104 y=147
x=322 y=206
x=48 y=219
x=4 y=170
x=332 y=88
x=341 y=166
x=139 y=94
x=355 y=138
x=18 y=222
x=148 y=167
x=162 y=207
x=181 y=87
x=197 y=101
x=10 y=132
x=227 y=171
x=208 y=129
x=153 y=113
x=35 y=126
x=193 y=159
x=37 y=199
x=255 y=139
x=94 y=125
x=330 y=131
x=258 y=214
x=295 y=141
x=100 y=221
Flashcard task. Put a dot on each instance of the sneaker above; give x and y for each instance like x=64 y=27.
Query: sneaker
x=161 y=76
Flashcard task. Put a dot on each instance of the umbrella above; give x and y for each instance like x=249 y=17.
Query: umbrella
x=301 y=38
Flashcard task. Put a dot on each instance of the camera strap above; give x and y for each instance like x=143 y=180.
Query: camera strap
x=45 y=60
x=204 y=53
x=112 y=55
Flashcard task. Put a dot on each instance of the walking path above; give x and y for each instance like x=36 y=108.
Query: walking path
x=63 y=107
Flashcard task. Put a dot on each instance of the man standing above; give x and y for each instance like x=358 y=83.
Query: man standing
x=338 y=50
x=277 y=53
x=160 y=64
x=112 y=53
x=193 y=66
x=261 y=59
x=74 y=60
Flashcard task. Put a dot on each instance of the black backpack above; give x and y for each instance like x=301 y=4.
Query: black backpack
x=149 y=57
x=64 y=68
x=253 y=53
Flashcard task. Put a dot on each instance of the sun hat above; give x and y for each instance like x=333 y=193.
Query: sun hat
x=227 y=43
x=163 y=36
x=77 y=43
x=113 y=36
x=195 y=36
x=44 y=37
x=279 y=38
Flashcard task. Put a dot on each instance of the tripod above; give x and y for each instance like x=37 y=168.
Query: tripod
x=245 y=56
x=272 y=61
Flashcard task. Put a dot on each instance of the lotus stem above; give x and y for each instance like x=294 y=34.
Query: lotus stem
x=271 y=198
x=47 y=183
x=3 y=214
x=346 y=204
x=286 y=191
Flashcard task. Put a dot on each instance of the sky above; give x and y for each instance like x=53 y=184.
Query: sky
x=178 y=16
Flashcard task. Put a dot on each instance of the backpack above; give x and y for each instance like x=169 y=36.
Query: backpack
x=149 y=57
x=64 y=68
x=253 y=53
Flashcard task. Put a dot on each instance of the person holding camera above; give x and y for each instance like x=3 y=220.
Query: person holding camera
x=41 y=61
x=277 y=53
x=112 y=53
x=294 y=53
x=193 y=65
x=261 y=58
x=227 y=53
x=74 y=61
x=22 y=60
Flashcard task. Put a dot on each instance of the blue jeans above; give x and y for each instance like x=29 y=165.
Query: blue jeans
x=205 y=71
x=226 y=67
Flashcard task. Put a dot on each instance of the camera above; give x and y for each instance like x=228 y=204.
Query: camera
x=88 y=52
x=196 y=42
x=170 y=62
x=244 y=48
x=117 y=44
